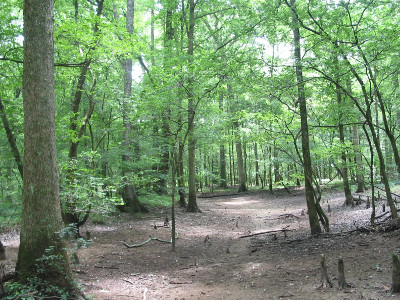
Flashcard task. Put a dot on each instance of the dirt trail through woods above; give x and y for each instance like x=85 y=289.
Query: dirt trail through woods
x=213 y=262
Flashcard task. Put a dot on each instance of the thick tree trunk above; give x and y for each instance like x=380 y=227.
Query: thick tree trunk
x=41 y=211
x=240 y=167
x=311 y=206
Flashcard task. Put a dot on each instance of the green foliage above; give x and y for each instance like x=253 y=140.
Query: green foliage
x=86 y=188
x=155 y=200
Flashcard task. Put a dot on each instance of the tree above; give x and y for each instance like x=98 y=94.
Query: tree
x=311 y=205
x=41 y=211
x=192 y=199
x=129 y=195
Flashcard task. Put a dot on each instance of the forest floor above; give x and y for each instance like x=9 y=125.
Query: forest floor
x=212 y=261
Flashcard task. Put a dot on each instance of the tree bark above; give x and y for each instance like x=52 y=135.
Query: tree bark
x=240 y=167
x=257 y=164
x=311 y=206
x=181 y=179
x=192 y=199
x=222 y=159
x=346 y=186
x=41 y=211
x=358 y=158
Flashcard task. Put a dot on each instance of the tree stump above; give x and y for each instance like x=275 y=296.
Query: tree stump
x=2 y=252
x=395 y=274
x=342 y=279
x=325 y=281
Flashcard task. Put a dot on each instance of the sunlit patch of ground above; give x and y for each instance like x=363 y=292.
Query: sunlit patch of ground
x=213 y=262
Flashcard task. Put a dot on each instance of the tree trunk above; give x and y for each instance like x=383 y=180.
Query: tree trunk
x=375 y=139
x=192 y=199
x=181 y=180
x=129 y=196
x=257 y=164
x=240 y=167
x=311 y=206
x=41 y=211
x=222 y=167
x=277 y=174
x=358 y=158
x=222 y=159
x=270 y=186
x=70 y=214
x=346 y=186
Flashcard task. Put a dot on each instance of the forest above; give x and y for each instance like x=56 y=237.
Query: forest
x=199 y=149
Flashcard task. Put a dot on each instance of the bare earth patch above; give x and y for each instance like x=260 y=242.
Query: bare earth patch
x=213 y=262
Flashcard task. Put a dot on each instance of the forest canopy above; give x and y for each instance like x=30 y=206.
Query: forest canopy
x=206 y=95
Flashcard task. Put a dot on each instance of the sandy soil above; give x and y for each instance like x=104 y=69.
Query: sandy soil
x=212 y=261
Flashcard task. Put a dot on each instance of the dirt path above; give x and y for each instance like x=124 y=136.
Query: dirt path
x=213 y=262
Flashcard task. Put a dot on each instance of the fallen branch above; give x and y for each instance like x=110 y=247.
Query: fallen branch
x=284 y=230
x=180 y=282
x=145 y=242
x=106 y=267
x=284 y=216
x=128 y=281
x=384 y=214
